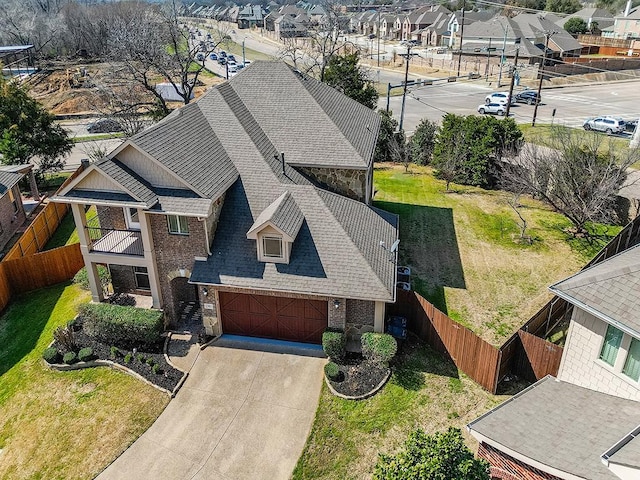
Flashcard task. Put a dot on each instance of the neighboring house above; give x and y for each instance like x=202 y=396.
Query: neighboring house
x=626 y=25
x=595 y=18
x=12 y=213
x=251 y=16
x=585 y=424
x=254 y=202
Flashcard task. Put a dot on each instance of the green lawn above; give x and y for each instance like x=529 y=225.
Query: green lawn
x=235 y=49
x=62 y=425
x=66 y=233
x=425 y=390
x=464 y=251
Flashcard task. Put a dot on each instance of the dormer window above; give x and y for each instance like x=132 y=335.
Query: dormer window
x=272 y=246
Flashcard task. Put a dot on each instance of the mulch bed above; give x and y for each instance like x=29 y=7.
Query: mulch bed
x=360 y=377
x=167 y=376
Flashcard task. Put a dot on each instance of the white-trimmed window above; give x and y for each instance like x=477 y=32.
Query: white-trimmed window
x=272 y=246
x=178 y=225
x=142 y=278
x=611 y=345
x=132 y=217
x=632 y=364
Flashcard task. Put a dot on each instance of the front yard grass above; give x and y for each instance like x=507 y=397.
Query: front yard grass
x=464 y=254
x=425 y=391
x=62 y=425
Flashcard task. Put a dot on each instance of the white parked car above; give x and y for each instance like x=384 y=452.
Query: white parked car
x=496 y=108
x=499 y=97
x=609 y=125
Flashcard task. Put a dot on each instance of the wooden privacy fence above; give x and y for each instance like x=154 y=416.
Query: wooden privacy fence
x=37 y=271
x=43 y=226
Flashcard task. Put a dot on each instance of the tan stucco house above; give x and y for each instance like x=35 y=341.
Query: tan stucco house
x=253 y=203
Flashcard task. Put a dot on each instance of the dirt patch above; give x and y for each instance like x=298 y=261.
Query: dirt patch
x=358 y=377
x=70 y=88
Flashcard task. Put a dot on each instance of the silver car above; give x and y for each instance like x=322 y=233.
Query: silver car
x=609 y=125
x=499 y=97
x=496 y=108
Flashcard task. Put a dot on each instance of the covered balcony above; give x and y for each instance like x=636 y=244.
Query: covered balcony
x=109 y=240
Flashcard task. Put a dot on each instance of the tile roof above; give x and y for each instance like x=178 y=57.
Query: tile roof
x=283 y=213
x=610 y=289
x=561 y=425
x=8 y=180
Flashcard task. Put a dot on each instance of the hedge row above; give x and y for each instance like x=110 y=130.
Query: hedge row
x=125 y=327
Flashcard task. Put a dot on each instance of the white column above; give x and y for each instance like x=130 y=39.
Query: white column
x=378 y=320
x=150 y=257
x=97 y=295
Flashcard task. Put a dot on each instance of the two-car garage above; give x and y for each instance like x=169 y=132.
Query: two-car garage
x=283 y=318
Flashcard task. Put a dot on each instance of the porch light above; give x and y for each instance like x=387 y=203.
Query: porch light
x=336 y=303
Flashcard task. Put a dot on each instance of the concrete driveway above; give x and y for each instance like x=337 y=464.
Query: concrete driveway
x=241 y=414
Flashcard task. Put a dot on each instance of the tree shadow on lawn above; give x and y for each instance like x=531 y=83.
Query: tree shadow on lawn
x=415 y=359
x=24 y=321
x=429 y=245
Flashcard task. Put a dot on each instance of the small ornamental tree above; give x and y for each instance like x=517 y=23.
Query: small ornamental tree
x=390 y=146
x=440 y=456
x=423 y=142
x=575 y=26
x=345 y=75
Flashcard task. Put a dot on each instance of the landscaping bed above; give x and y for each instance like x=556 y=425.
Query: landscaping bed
x=141 y=362
x=358 y=377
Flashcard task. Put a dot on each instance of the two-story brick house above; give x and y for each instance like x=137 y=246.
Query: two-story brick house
x=253 y=201
x=584 y=424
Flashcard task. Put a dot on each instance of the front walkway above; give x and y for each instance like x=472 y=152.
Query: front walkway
x=243 y=413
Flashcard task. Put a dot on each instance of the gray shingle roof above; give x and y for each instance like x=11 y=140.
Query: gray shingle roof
x=562 y=426
x=628 y=454
x=90 y=196
x=611 y=289
x=188 y=148
x=181 y=202
x=133 y=183
x=8 y=180
x=313 y=123
x=284 y=214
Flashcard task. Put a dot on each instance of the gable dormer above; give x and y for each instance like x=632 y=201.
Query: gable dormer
x=276 y=228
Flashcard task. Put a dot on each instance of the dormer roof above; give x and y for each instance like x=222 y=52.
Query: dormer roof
x=283 y=215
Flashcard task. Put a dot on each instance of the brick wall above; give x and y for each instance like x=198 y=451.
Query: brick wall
x=350 y=183
x=175 y=252
x=505 y=467
x=212 y=221
x=360 y=318
x=338 y=316
x=10 y=221
x=111 y=217
x=122 y=278
x=580 y=364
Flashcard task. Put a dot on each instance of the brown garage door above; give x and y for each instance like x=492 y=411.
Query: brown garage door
x=283 y=318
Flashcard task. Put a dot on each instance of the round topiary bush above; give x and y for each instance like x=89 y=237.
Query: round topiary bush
x=85 y=354
x=334 y=344
x=70 y=358
x=378 y=348
x=51 y=355
x=332 y=371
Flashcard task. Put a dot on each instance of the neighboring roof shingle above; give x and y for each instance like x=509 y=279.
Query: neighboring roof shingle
x=610 y=288
x=561 y=425
x=628 y=454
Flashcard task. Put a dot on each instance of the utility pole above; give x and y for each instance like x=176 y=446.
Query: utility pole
x=502 y=57
x=464 y=5
x=406 y=79
x=547 y=36
x=378 y=36
x=244 y=58
x=488 y=61
x=513 y=79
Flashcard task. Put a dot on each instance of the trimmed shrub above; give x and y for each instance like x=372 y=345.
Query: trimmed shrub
x=334 y=344
x=151 y=362
x=70 y=358
x=85 y=354
x=140 y=358
x=332 y=371
x=126 y=327
x=115 y=351
x=127 y=358
x=156 y=369
x=51 y=355
x=378 y=348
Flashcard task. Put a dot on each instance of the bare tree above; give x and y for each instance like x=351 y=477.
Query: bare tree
x=153 y=45
x=128 y=104
x=578 y=173
x=312 y=53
